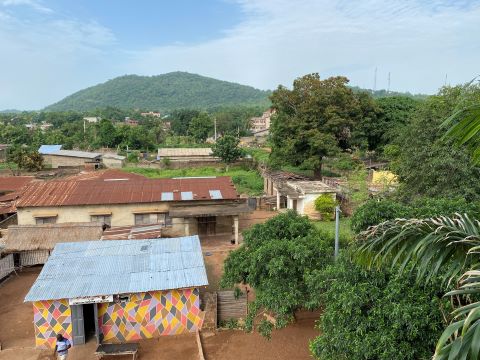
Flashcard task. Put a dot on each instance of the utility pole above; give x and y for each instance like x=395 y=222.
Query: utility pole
x=215 y=126
x=337 y=230
x=375 y=80
x=388 y=88
x=446 y=78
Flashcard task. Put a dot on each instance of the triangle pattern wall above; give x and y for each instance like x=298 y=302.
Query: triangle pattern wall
x=50 y=318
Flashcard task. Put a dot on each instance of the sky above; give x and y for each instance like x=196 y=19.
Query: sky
x=52 y=48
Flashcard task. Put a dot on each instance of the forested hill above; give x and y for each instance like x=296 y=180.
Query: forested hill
x=163 y=92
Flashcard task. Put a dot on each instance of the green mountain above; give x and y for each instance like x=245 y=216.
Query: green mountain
x=163 y=92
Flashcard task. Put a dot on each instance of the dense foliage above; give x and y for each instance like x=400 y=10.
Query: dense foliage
x=428 y=163
x=163 y=92
x=370 y=314
x=200 y=127
x=376 y=211
x=274 y=259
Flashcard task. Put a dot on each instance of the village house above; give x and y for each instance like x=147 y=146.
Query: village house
x=259 y=126
x=293 y=191
x=55 y=157
x=32 y=244
x=207 y=206
x=187 y=154
x=130 y=122
x=92 y=119
x=122 y=291
x=10 y=188
x=151 y=113
x=113 y=161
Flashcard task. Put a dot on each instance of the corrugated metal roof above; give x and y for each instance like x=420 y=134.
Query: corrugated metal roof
x=174 y=152
x=215 y=194
x=48 y=149
x=95 y=268
x=75 y=153
x=130 y=191
x=13 y=183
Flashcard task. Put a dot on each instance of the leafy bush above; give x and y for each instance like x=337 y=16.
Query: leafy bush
x=274 y=259
x=325 y=205
x=371 y=314
x=375 y=211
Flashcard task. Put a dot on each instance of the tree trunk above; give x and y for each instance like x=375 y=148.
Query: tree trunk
x=317 y=172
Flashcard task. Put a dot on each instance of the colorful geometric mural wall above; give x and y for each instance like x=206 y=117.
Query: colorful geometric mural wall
x=51 y=318
x=150 y=314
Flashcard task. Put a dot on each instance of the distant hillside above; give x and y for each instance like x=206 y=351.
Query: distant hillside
x=384 y=93
x=163 y=92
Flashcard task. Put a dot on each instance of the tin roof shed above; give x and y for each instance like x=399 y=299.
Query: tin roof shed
x=95 y=268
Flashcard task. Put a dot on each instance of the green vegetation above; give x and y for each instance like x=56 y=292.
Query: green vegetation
x=226 y=148
x=325 y=205
x=274 y=259
x=374 y=314
x=328 y=229
x=246 y=181
x=163 y=92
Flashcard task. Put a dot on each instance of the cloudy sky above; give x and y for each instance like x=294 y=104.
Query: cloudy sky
x=52 y=48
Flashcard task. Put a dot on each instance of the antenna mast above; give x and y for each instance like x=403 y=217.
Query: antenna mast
x=375 y=80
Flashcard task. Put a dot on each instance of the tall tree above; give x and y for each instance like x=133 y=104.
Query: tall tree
x=226 y=148
x=200 y=126
x=313 y=120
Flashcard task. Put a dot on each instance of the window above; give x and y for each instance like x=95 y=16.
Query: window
x=46 y=220
x=104 y=219
x=153 y=218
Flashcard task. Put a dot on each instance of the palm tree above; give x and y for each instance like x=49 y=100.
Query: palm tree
x=439 y=246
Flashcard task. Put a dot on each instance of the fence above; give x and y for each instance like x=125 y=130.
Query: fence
x=229 y=307
x=6 y=266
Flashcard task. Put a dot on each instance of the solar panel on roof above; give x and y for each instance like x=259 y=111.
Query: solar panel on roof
x=186 y=195
x=167 y=196
x=215 y=194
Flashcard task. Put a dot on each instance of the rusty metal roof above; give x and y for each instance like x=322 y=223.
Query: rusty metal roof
x=166 y=152
x=13 y=183
x=122 y=191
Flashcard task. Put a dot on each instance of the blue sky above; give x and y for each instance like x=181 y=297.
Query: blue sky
x=51 y=48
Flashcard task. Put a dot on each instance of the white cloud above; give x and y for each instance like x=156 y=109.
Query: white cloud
x=46 y=58
x=417 y=41
x=36 y=5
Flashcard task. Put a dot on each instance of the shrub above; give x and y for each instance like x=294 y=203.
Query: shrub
x=325 y=205
x=372 y=314
x=375 y=211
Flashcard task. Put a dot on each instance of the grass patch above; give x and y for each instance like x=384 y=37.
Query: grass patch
x=5 y=165
x=246 y=181
x=262 y=156
x=328 y=227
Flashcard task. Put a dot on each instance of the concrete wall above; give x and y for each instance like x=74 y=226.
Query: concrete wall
x=306 y=205
x=56 y=161
x=113 y=163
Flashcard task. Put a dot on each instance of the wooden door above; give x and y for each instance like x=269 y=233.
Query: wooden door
x=78 y=327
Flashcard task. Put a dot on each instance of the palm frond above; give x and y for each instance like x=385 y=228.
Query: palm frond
x=427 y=244
x=465 y=129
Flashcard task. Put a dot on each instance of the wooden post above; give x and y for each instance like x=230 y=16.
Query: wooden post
x=235 y=226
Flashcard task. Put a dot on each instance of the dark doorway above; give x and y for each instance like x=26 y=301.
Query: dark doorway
x=294 y=204
x=89 y=321
x=207 y=225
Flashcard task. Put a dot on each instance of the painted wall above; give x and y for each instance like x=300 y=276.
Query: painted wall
x=50 y=318
x=150 y=314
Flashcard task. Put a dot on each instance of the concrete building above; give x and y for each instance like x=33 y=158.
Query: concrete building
x=119 y=291
x=208 y=206
x=55 y=157
x=187 y=154
x=260 y=125
x=92 y=119
x=113 y=161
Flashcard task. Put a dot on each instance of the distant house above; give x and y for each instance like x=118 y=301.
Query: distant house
x=121 y=291
x=57 y=158
x=294 y=191
x=130 y=122
x=186 y=154
x=34 y=243
x=260 y=125
x=208 y=206
x=92 y=119
x=151 y=113
x=113 y=160
x=43 y=126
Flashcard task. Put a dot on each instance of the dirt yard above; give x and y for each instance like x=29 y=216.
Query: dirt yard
x=290 y=343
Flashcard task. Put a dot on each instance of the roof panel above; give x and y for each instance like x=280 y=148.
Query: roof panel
x=215 y=194
x=123 y=266
x=186 y=195
x=167 y=196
